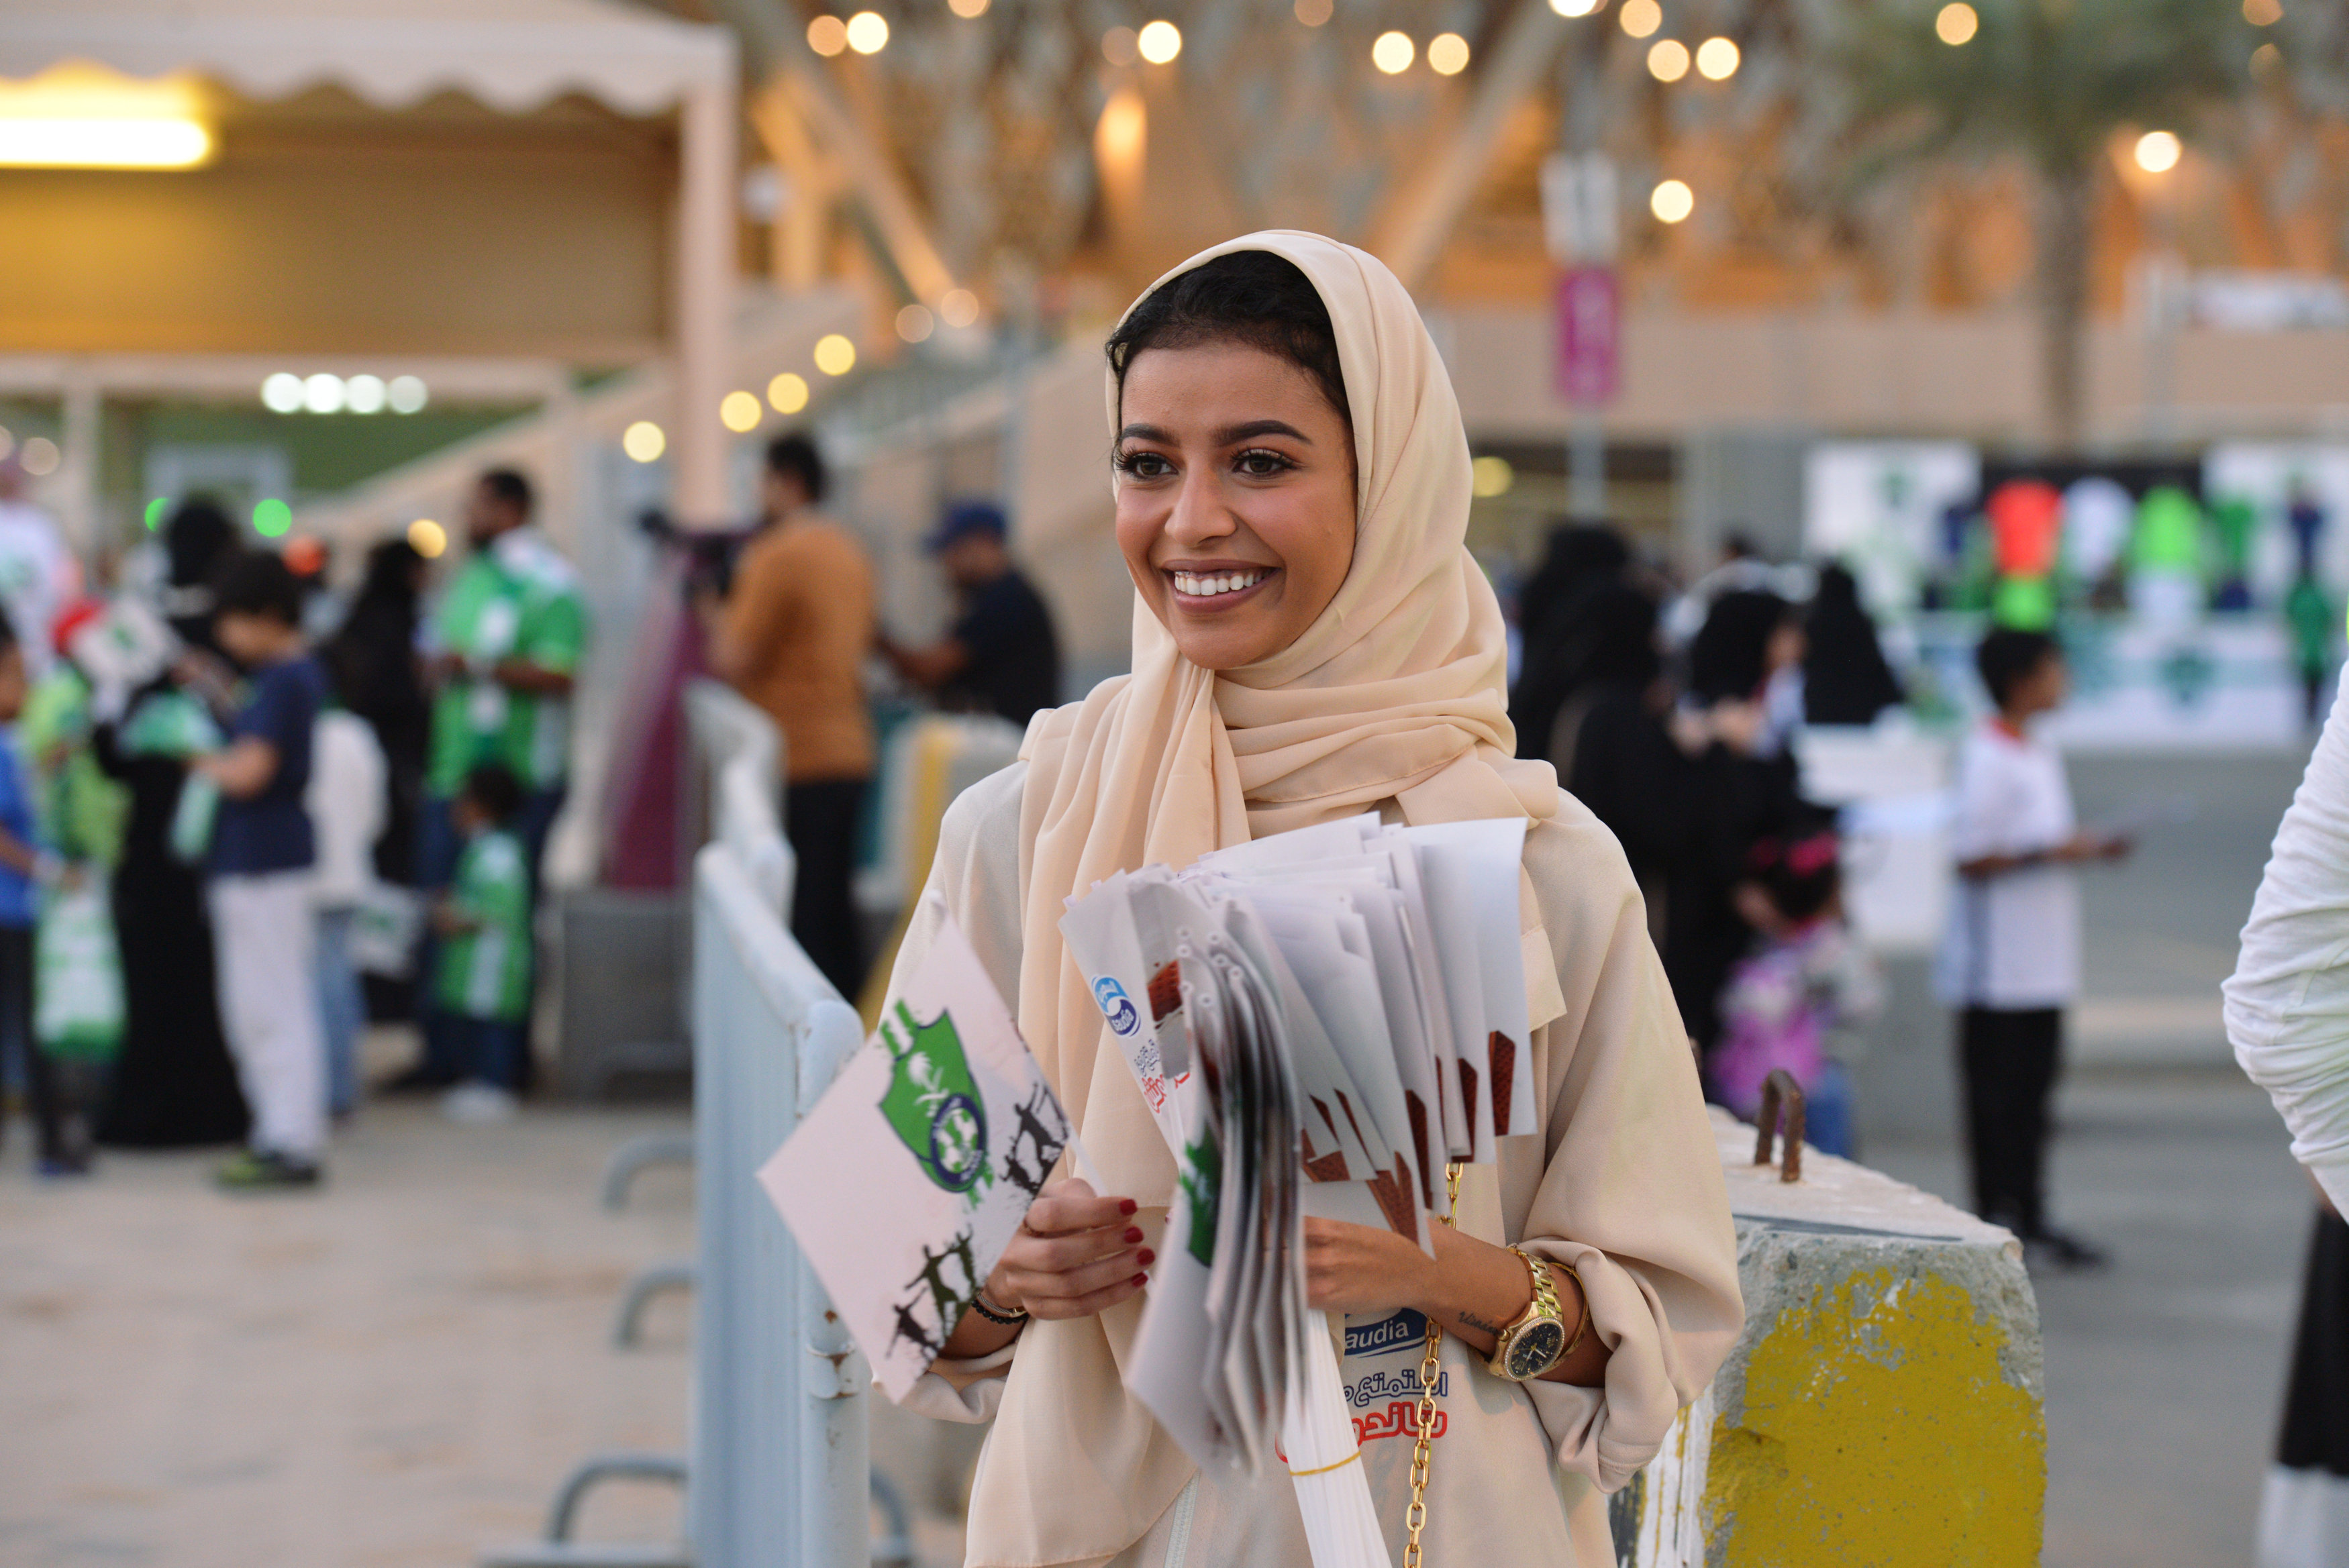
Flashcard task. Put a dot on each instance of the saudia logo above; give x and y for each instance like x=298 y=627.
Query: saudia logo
x=1116 y=1006
x=1405 y=1328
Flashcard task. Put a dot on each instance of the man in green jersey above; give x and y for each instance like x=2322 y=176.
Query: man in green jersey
x=507 y=642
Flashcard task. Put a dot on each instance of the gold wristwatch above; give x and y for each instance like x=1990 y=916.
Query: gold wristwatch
x=1535 y=1342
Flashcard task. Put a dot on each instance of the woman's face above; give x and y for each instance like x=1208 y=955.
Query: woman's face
x=1235 y=498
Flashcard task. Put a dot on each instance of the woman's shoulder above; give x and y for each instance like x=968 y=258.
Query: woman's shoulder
x=1578 y=869
x=988 y=809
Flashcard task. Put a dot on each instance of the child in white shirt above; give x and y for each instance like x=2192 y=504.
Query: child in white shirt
x=2011 y=957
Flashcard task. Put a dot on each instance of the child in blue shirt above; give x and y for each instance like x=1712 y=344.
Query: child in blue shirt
x=63 y=1103
x=263 y=935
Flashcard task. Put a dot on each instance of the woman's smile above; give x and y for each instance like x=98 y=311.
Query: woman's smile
x=1215 y=587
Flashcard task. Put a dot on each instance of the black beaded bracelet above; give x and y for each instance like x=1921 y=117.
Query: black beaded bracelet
x=979 y=1303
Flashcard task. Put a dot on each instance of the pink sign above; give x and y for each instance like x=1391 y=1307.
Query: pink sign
x=1589 y=341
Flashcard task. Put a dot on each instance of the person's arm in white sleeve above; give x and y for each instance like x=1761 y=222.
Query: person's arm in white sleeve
x=2288 y=1000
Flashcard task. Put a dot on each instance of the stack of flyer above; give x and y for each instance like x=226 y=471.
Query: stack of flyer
x=1320 y=1021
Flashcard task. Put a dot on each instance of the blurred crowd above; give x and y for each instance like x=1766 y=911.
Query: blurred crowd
x=246 y=810
x=1674 y=714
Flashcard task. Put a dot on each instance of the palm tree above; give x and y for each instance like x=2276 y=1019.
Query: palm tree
x=2048 y=80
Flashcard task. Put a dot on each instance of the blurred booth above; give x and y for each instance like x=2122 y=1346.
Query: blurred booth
x=480 y=195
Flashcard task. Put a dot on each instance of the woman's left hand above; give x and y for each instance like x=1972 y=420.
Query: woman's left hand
x=1362 y=1268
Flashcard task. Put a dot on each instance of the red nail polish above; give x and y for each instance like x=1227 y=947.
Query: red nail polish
x=1126 y=1205
x=1133 y=1234
x=1141 y=1279
x=1145 y=1257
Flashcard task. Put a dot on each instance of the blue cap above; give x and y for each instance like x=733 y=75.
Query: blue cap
x=965 y=517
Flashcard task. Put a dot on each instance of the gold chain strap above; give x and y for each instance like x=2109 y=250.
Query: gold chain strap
x=1416 y=1520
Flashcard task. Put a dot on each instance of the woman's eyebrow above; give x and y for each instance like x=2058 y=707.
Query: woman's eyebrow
x=1145 y=433
x=1233 y=435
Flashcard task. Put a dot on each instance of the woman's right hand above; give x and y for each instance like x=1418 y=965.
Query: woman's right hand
x=1074 y=1255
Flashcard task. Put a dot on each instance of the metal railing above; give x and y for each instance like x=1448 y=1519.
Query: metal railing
x=780 y=1465
x=781 y=1458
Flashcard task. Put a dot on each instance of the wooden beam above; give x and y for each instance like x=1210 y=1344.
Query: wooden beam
x=1411 y=234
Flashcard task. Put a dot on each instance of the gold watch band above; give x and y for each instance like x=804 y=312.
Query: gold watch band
x=1542 y=1310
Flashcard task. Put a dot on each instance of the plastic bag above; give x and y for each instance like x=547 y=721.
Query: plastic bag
x=78 y=975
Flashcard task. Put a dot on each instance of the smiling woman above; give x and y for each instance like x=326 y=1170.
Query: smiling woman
x=1312 y=640
x=1234 y=458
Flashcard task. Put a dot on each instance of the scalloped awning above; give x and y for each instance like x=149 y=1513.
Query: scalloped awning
x=512 y=55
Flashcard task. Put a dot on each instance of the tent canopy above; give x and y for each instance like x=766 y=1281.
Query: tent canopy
x=512 y=55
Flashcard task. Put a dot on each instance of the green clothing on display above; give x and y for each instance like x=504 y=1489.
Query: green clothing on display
x=2310 y=616
x=485 y=971
x=80 y=810
x=517 y=599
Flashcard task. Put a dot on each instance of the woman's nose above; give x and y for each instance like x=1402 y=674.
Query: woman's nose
x=1199 y=513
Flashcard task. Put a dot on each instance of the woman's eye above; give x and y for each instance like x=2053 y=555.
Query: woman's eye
x=1144 y=465
x=1260 y=463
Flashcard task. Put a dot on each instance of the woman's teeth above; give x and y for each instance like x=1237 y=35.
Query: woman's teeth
x=1195 y=584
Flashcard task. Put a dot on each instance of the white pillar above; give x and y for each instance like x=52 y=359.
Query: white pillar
x=704 y=304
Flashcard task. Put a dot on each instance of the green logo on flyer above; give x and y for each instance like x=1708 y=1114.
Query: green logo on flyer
x=932 y=1103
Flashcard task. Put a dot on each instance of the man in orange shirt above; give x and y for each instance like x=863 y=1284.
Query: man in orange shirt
x=791 y=637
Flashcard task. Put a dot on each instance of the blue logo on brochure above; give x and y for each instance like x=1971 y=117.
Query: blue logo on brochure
x=1116 y=1006
x=1405 y=1329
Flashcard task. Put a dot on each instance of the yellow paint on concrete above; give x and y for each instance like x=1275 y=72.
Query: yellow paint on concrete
x=1878 y=1432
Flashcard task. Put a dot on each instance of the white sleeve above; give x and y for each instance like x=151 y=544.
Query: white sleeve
x=1982 y=824
x=2287 y=1003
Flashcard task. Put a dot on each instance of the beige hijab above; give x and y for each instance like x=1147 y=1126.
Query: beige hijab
x=1396 y=692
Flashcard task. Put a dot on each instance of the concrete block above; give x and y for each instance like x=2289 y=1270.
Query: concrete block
x=1885 y=1404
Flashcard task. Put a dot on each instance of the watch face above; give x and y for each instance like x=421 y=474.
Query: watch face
x=1536 y=1350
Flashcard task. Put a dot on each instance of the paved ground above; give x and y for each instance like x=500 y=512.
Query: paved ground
x=398 y=1371
x=395 y=1372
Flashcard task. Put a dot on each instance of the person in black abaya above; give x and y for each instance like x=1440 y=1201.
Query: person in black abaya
x=1844 y=678
x=174 y=1084
x=1582 y=559
x=1741 y=788
x=371 y=659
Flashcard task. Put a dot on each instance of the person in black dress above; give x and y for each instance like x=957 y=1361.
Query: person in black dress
x=174 y=1084
x=1845 y=679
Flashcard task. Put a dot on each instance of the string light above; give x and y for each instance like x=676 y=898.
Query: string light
x=1314 y=13
x=1667 y=61
x=282 y=393
x=2157 y=152
x=1671 y=200
x=272 y=517
x=1957 y=23
x=827 y=36
x=967 y=9
x=1574 y=8
x=788 y=393
x=364 y=394
x=1716 y=59
x=40 y=457
x=1640 y=18
x=834 y=355
x=1119 y=47
x=1159 y=42
x=1490 y=477
x=915 y=323
x=407 y=394
x=1447 y=53
x=644 y=441
x=427 y=538
x=1392 y=53
x=739 y=412
x=2263 y=13
x=959 y=308
x=868 y=32
x=323 y=394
